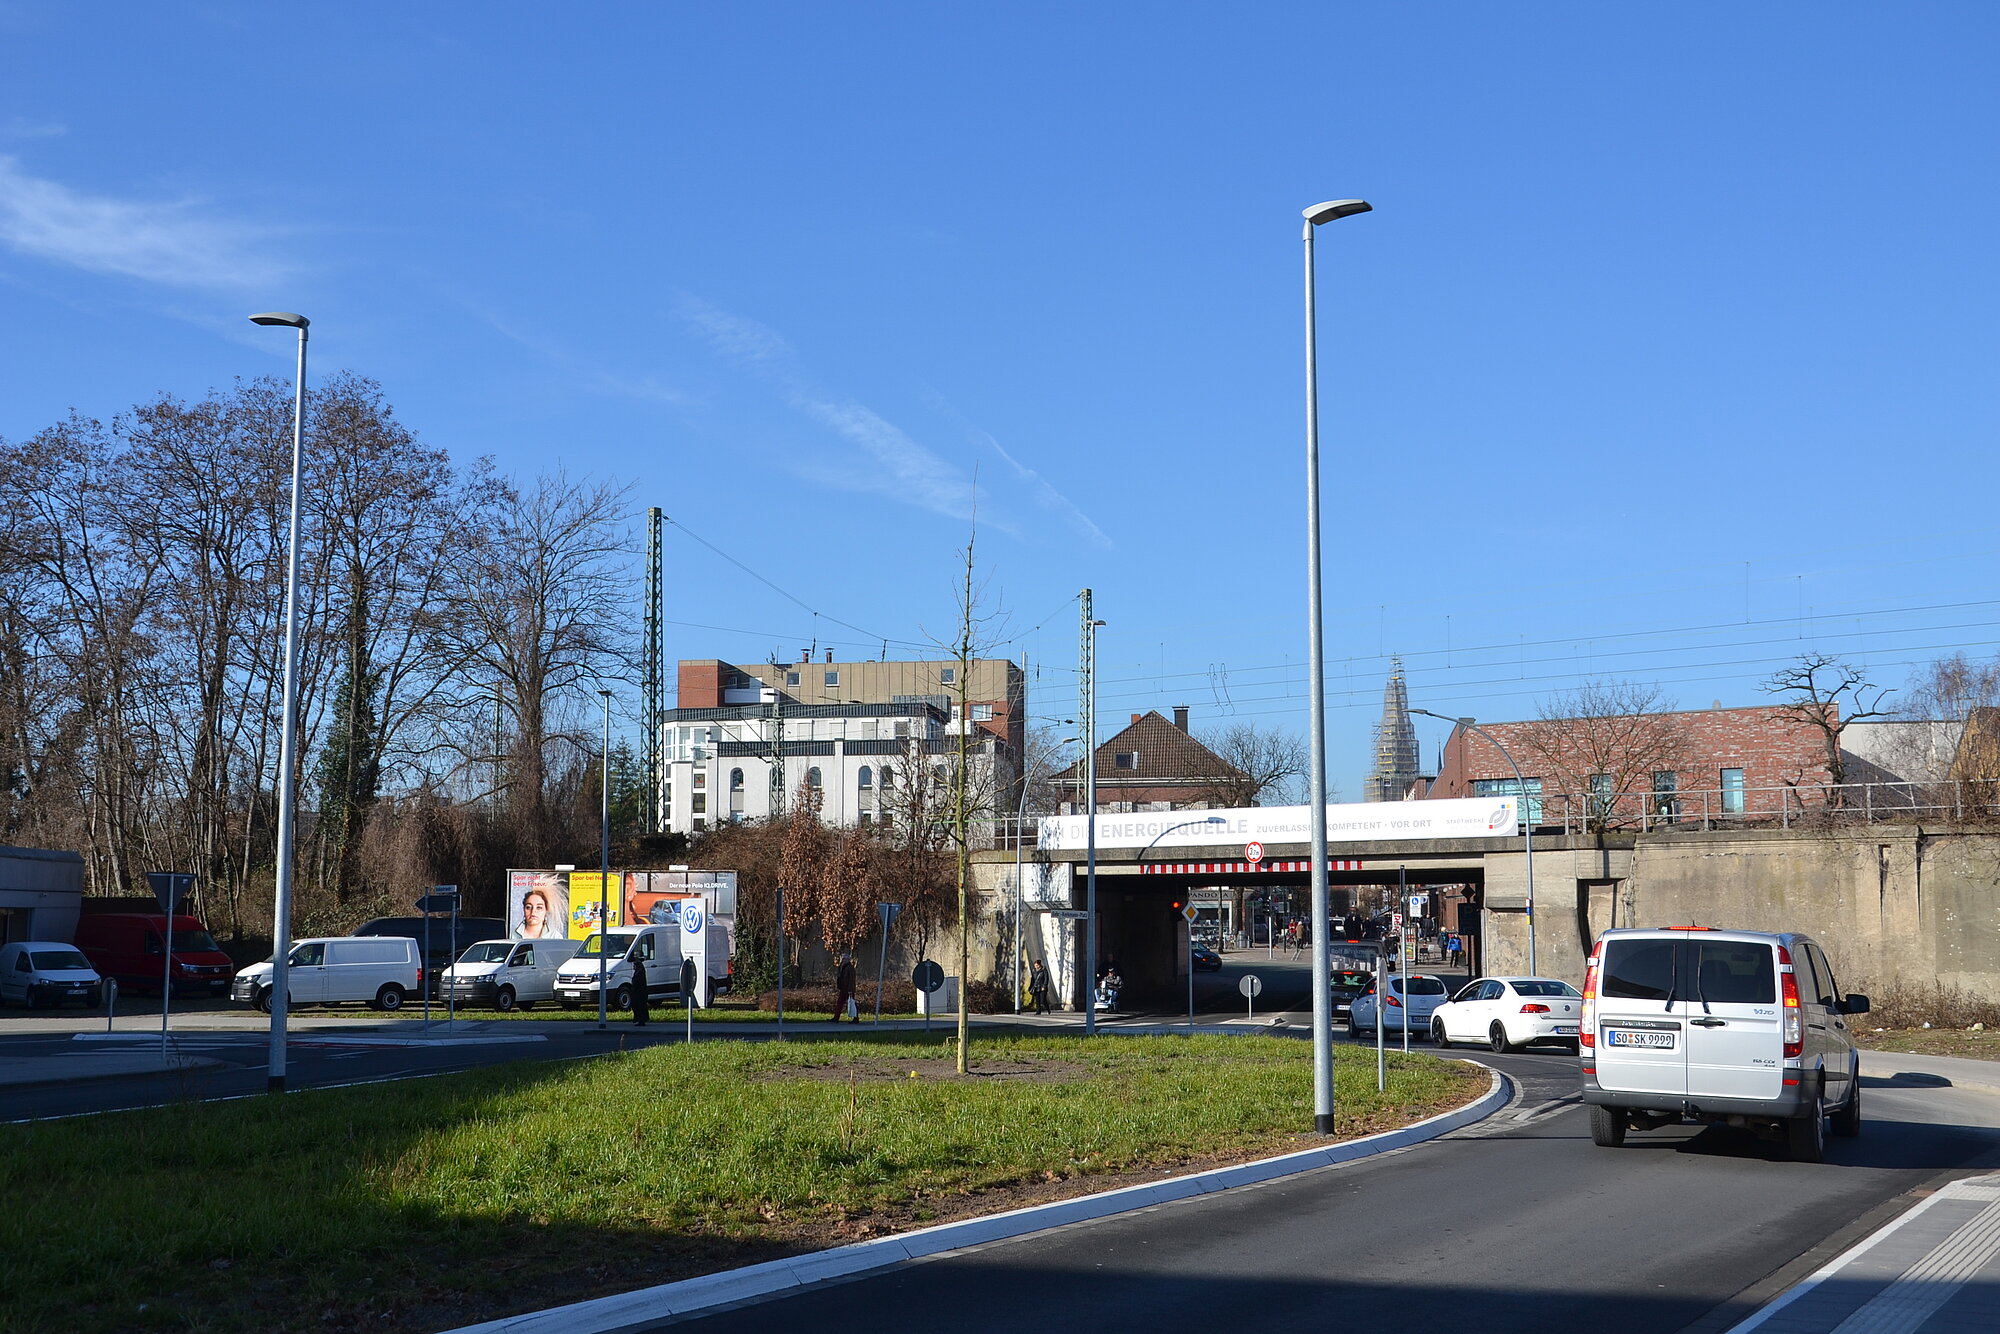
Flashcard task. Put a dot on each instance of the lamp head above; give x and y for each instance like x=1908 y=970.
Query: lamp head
x=284 y=317
x=1337 y=208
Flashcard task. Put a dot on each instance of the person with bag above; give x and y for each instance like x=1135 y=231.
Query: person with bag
x=843 y=985
x=640 y=1000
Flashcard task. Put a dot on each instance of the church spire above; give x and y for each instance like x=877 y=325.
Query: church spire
x=1396 y=764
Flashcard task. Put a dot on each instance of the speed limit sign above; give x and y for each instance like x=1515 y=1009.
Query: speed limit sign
x=1253 y=853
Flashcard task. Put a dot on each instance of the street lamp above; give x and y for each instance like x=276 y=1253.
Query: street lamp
x=1316 y=690
x=281 y=926
x=1140 y=860
x=1090 y=629
x=604 y=866
x=1527 y=824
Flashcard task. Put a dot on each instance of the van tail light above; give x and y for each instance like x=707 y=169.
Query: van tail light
x=420 y=975
x=1534 y=1009
x=1795 y=1035
x=1586 y=1029
x=1391 y=998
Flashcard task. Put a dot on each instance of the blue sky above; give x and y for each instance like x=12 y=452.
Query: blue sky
x=1667 y=353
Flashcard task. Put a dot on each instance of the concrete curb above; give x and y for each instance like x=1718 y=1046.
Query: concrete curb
x=321 y=1039
x=630 y=1312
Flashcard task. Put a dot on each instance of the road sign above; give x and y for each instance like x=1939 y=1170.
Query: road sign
x=689 y=981
x=1253 y=853
x=888 y=912
x=927 y=977
x=1250 y=984
x=1075 y=914
x=1189 y=912
x=170 y=887
x=435 y=902
x=1396 y=921
x=1418 y=902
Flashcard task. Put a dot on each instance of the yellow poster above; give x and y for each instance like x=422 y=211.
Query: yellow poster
x=585 y=887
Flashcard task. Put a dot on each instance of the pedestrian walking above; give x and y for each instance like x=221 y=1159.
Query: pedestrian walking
x=640 y=1010
x=843 y=986
x=1038 y=986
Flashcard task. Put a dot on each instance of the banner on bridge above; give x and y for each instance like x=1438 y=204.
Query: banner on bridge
x=1346 y=822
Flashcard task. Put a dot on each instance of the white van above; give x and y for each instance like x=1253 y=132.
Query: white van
x=1743 y=1028
x=659 y=947
x=46 y=972
x=382 y=971
x=507 y=973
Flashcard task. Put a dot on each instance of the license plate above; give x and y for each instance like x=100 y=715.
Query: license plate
x=1563 y=1029
x=1620 y=1037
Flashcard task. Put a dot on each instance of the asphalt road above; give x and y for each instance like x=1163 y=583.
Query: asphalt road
x=1517 y=1224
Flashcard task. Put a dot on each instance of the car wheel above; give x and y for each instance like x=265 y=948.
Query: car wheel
x=621 y=999
x=504 y=1001
x=390 y=997
x=1497 y=1039
x=1847 y=1120
x=1805 y=1136
x=1607 y=1126
x=1356 y=1031
x=263 y=1001
x=1439 y=1039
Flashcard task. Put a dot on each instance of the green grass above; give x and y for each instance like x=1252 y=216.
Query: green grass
x=434 y=1202
x=1979 y=1045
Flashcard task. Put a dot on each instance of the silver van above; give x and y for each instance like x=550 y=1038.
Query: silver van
x=1743 y=1028
x=507 y=973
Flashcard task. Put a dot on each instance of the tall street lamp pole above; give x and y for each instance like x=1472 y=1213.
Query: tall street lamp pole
x=281 y=926
x=1527 y=822
x=1090 y=628
x=1316 y=690
x=604 y=865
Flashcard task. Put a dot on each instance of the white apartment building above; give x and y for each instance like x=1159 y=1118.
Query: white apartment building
x=861 y=757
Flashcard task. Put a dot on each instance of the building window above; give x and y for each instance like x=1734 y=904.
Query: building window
x=888 y=778
x=735 y=780
x=833 y=678
x=700 y=780
x=867 y=818
x=867 y=778
x=888 y=820
x=700 y=800
x=1531 y=804
x=700 y=824
x=791 y=678
x=902 y=731
x=1666 y=786
x=1601 y=798
x=947 y=676
x=812 y=777
x=1125 y=759
x=1732 y=792
x=939 y=776
x=982 y=713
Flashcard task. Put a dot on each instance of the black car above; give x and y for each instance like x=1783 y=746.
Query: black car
x=1206 y=960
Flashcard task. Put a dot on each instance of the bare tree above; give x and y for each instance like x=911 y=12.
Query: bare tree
x=1258 y=762
x=1605 y=740
x=1815 y=685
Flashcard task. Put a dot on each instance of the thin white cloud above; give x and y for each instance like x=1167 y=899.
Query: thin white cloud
x=1047 y=496
x=735 y=336
x=904 y=468
x=169 y=242
x=20 y=127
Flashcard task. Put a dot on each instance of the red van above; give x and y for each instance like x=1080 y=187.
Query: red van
x=132 y=948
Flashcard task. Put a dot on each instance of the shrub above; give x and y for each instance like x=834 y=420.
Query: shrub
x=1914 y=1004
x=898 y=997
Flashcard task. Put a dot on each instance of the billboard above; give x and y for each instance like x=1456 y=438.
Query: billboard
x=538 y=905
x=589 y=892
x=1350 y=822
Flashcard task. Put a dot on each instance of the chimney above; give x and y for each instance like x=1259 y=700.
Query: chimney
x=1136 y=717
x=829 y=655
x=1180 y=716
x=805 y=656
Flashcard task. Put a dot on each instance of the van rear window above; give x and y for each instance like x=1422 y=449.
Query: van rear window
x=1733 y=972
x=1638 y=970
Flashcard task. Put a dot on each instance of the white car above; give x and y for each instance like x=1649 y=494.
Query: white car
x=47 y=972
x=1507 y=1013
x=1411 y=1001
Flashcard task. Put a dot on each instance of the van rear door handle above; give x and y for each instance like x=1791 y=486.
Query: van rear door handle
x=1708 y=1023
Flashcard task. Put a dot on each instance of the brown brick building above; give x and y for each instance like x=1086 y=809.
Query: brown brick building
x=1722 y=763
x=1152 y=765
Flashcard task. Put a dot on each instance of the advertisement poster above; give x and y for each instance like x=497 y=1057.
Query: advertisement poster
x=653 y=897
x=584 y=888
x=538 y=905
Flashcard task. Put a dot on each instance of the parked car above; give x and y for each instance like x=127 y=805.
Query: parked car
x=507 y=973
x=1411 y=1001
x=382 y=971
x=47 y=972
x=438 y=942
x=1508 y=1013
x=132 y=947
x=1744 y=1028
x=659 y=947
x=1205 y=960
